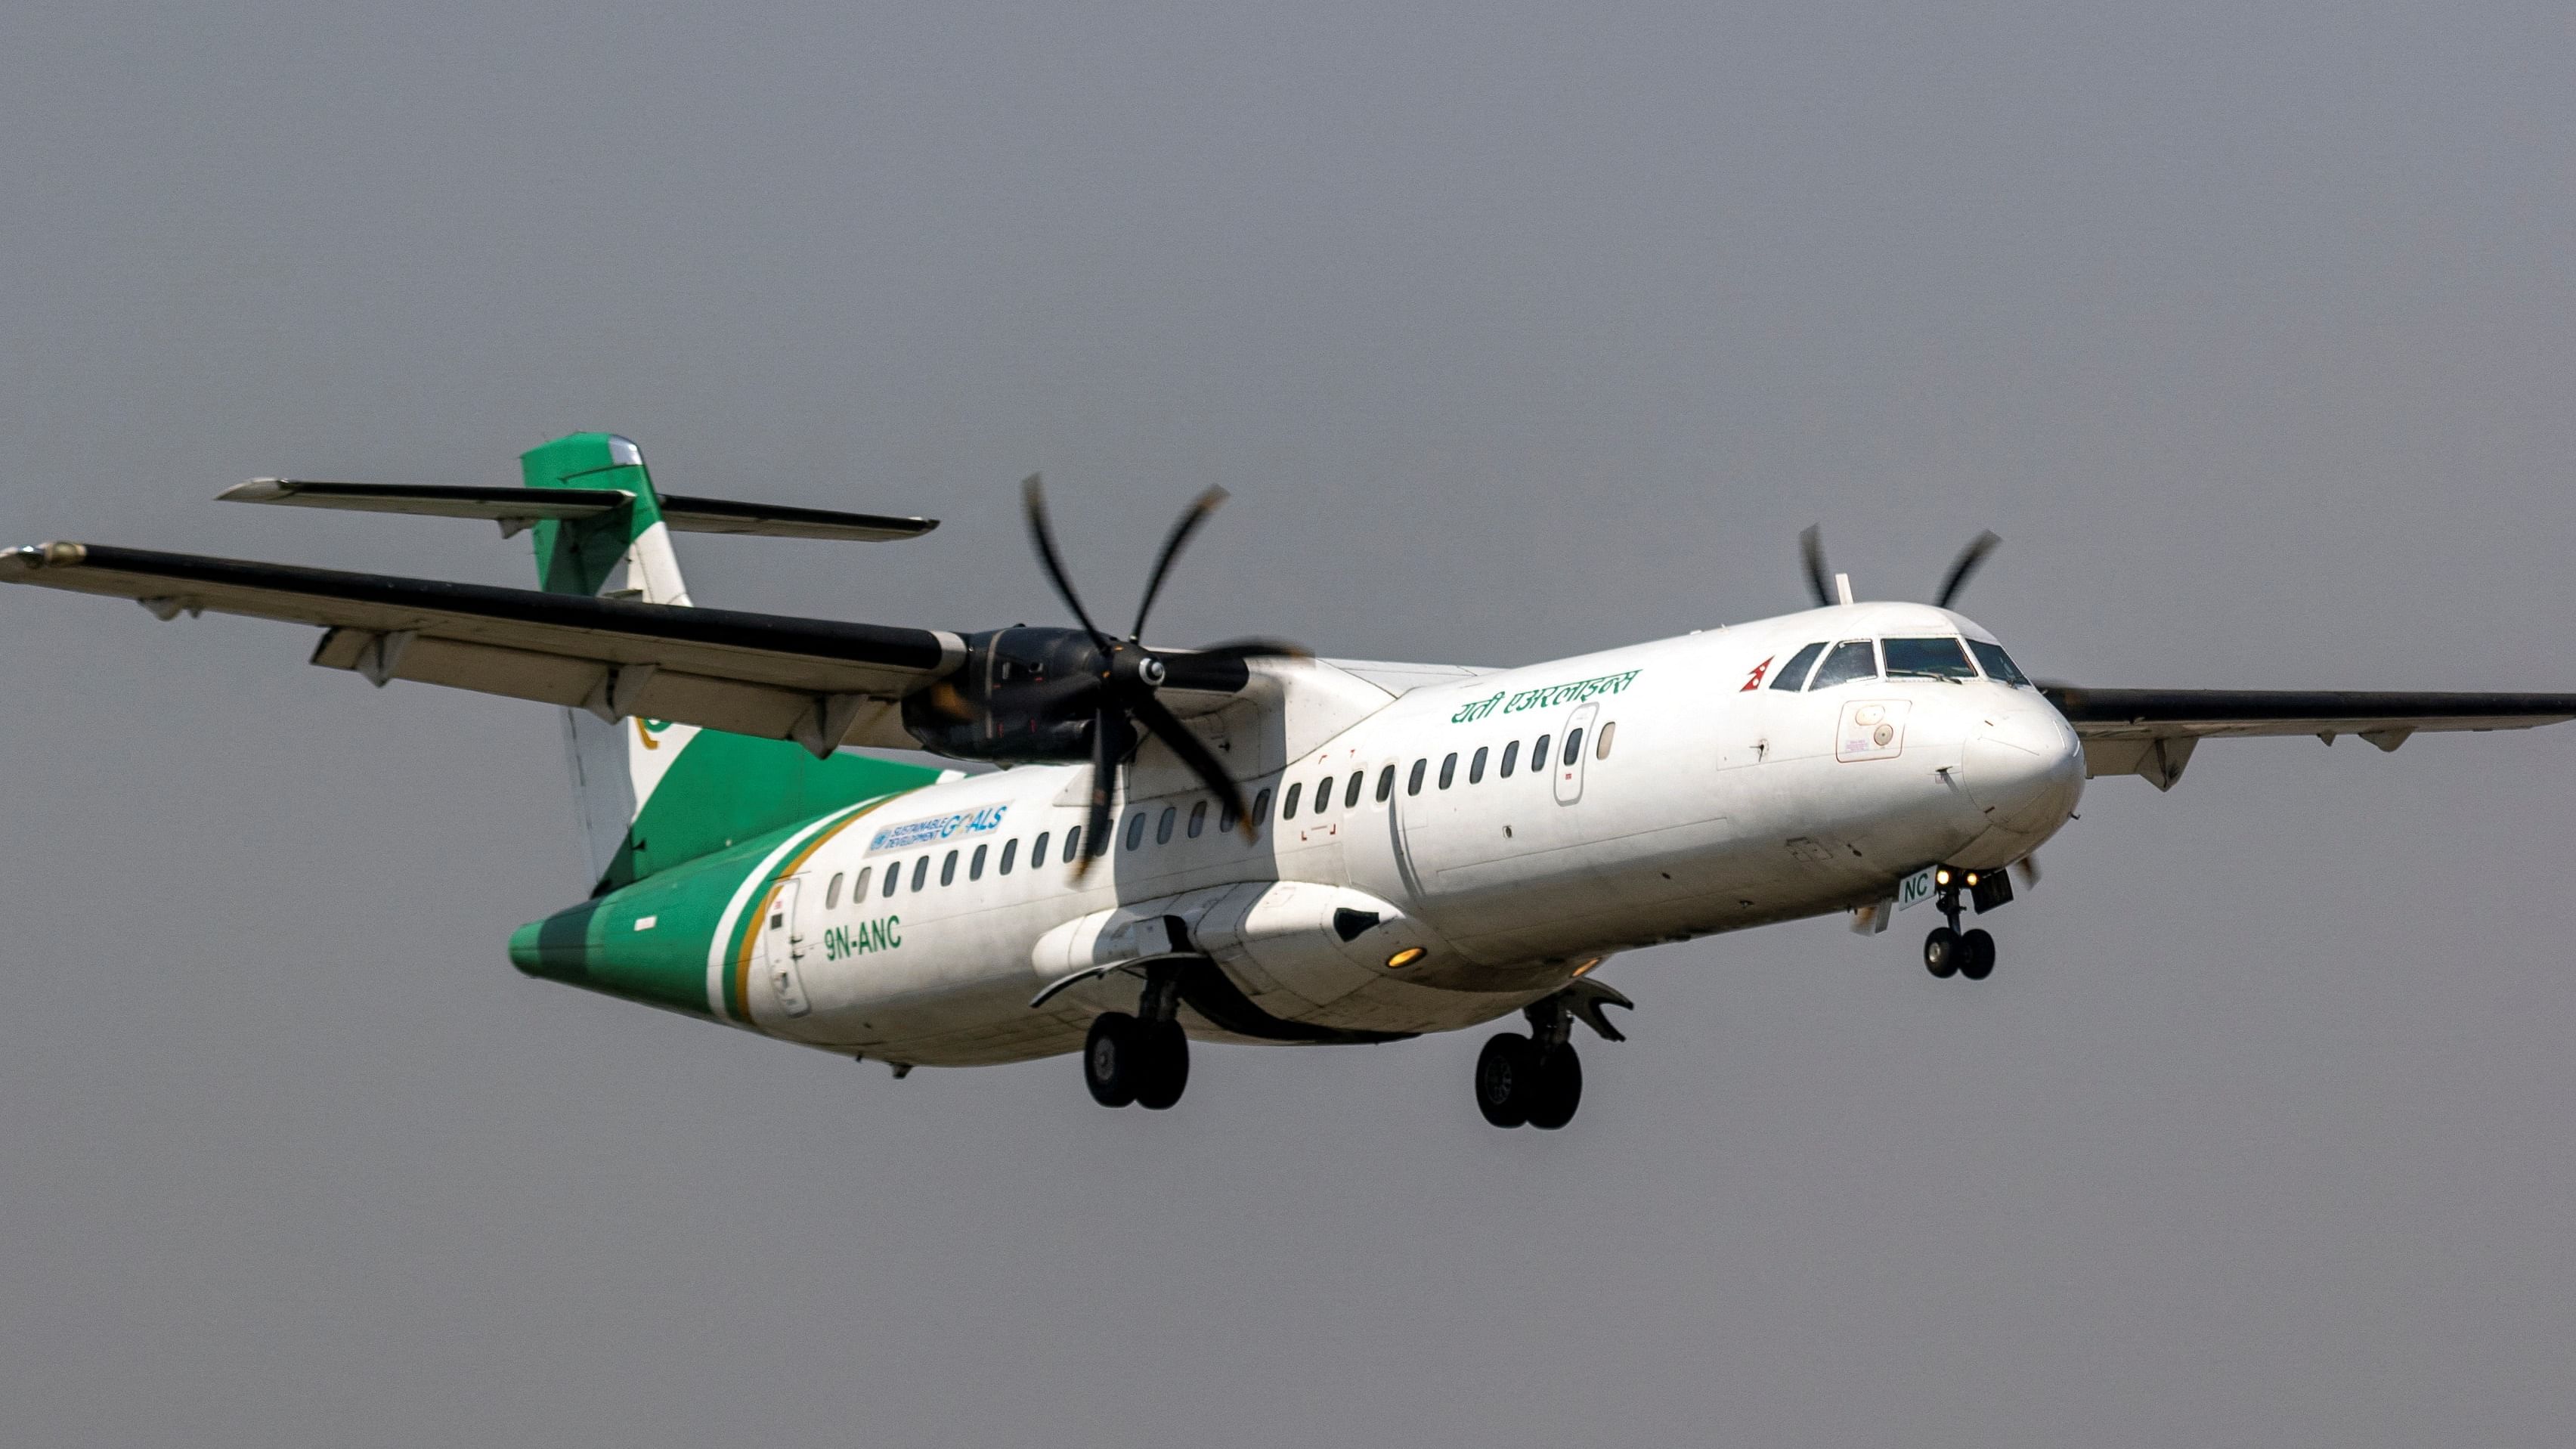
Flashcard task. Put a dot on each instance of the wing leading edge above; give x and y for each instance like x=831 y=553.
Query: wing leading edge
x=2152 y=732
x=818 y=682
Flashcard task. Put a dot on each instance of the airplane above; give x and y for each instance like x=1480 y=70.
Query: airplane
x=1238 y=843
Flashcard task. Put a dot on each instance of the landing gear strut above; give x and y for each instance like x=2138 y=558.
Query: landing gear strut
x=1949 y=951
x=1535 y=1079
x=1145 y=1058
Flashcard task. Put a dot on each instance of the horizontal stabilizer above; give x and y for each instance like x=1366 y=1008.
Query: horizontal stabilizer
x=518 y=508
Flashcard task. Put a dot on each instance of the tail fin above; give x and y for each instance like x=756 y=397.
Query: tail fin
x=654 y=794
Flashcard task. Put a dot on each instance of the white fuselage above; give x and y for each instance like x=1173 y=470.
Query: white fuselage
x=1713 y=807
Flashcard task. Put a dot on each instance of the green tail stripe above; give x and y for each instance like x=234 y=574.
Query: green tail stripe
x=727 y=788
x=576 y=556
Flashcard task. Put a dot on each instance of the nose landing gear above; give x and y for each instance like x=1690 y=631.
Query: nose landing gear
x=1949 y=951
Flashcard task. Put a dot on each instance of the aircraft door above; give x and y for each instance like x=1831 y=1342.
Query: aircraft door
x=780 y=949
x=1572 y=748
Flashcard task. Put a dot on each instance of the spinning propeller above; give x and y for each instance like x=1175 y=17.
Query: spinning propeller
x=1117 y=688
x=1811 y=553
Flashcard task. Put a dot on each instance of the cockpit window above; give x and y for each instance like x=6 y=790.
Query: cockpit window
x=1852 y=659
x=1939 y=658
x=1794 y=673
x=1999 y=665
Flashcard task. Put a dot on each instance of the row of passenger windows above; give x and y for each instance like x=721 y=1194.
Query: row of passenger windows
x=897 y=877
x=1939 y=657
x=894 y=881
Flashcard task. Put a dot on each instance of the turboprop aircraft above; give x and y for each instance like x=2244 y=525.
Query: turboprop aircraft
x=1238 y=843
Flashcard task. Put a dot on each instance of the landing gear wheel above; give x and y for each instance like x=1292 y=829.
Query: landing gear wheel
x=1163 y=1054
x=1505 y=1071
x=1556 y=1090
x=1976 y=955
x=1111 y=1059
x=1942 y=952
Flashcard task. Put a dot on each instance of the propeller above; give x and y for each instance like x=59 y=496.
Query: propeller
x=1811 y=552
x=1120 y=691
x=1965 y=568
x=1811 y=555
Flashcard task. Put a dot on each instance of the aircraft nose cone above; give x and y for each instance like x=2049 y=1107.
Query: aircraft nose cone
x=2025 y=770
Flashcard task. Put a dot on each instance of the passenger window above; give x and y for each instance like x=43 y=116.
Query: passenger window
x=1198 y=819
x=1601 y=746
x=1413 y=782
x=1538 y=756
x=1260 y=810
x=1225 y=817
x=1136 y=830
x=1937 y=658
x=1351 y=791
x=1448 y=770
x=1072 y=844
x=1100 y=844
x=1476 y=767
x=1999 y=665
x=894 y=877
x=859 y=888
x=920 y=872
x=1511 y=757
x=1386 y=783
x=832 y=892
x=1163 y=827
x=1323 y=796
x=1011 y=852
x=1794 y=673
x=947 y=869
x=1852 y=659
x=1037 y=849
x=975 y=866
x=1288 y=803
x=1573 y=746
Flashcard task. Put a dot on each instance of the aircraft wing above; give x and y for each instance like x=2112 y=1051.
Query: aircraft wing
x=817 y=682
x=2152 y=732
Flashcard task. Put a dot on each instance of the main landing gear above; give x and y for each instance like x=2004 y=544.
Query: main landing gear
x=1144 y=1059
x=1949 y=951
x=1537 y=1079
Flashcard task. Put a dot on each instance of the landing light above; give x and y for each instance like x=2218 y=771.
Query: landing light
x=1941 y=877
x=1405 y=957
x=1972 y=880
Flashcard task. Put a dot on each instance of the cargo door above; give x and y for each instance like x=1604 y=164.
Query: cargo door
x=782 y=949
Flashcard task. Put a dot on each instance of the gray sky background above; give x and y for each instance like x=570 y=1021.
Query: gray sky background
x=1516 y=331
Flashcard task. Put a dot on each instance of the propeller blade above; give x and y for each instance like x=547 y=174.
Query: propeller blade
x=1966 y=568
x=1033 y=497
x=1811 y=552
x=1253 y=649
x=1109 y=740
x=1188 y=523
x=1195 y=754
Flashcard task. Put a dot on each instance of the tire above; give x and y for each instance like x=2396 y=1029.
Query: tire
x=1941 y=952
x=1559 y=1089
x=1504 y=1072
x=1976 y=955
x=1163 y=1059
x=1110 y=1059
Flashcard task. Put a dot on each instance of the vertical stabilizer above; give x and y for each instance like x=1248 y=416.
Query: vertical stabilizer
x=653 y=793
